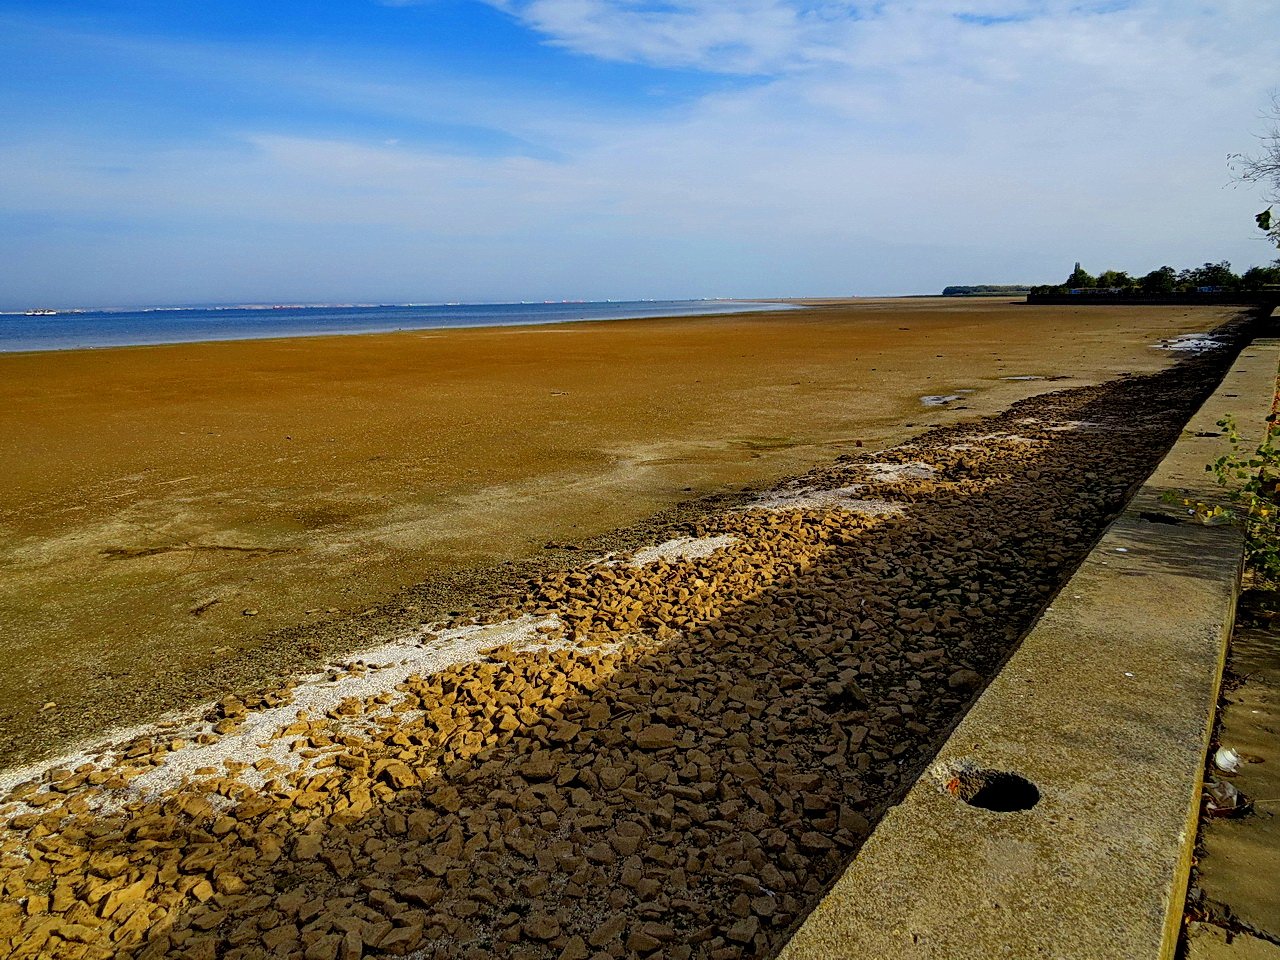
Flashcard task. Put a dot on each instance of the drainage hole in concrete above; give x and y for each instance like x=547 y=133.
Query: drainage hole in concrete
x=1152 y=517
x=996 y=790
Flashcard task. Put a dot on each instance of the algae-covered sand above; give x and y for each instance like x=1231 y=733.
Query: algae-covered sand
x=180 y=520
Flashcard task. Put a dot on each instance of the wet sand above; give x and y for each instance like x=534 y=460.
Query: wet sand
x=177 y=521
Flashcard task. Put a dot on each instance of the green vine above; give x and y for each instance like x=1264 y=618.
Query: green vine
x=1249 y=476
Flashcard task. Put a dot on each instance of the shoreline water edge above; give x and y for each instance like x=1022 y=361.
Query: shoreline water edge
x=40 y=330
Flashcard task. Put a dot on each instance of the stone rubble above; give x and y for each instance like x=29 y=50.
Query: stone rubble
x=674 y=762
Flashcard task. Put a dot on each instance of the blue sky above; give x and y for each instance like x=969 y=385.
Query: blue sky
x=160 y=152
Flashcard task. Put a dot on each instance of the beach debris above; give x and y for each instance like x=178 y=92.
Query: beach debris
x=200 y=608
x=682 y=548
x=811 y=498
x=1223 y=799
x=1227 y=761
x=880 y=472
x=1191 y=343
x=942 y=399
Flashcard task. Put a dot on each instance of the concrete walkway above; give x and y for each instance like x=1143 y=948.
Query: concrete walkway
x=1057 y=820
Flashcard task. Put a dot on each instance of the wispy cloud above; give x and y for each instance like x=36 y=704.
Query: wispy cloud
x=878 y=147
x=772 y=36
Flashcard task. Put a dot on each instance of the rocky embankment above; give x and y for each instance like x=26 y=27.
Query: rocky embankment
x=663 y=755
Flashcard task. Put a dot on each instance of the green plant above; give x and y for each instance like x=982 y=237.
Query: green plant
x=1249 y=476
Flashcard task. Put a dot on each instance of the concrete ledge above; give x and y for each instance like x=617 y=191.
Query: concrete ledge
x=1105 y=709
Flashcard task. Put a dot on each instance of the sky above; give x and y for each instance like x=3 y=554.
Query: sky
x=154 y=152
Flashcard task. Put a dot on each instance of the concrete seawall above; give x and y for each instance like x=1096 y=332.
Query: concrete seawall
x=1058 y=819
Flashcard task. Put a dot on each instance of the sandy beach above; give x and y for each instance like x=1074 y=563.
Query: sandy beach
x=179 y=521
x=668 y=750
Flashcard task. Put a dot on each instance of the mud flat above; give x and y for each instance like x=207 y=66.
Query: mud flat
x=667 y=752
x=179 y=521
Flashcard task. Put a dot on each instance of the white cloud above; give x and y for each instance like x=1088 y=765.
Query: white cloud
x=773 y=36
x=880 y=148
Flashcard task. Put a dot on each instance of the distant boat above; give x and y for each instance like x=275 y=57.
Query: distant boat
x=42 y=313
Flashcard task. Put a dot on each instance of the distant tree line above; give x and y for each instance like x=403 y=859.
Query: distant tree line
x=1209 y=278
x=986 y=290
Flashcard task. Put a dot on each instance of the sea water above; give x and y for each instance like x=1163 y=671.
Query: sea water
x=75 y=329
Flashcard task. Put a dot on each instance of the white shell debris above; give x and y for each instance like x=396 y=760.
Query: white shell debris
x=841 y=498
x=889 y=472
x=1191 y=343
x=682 y=548
x=1227 y=760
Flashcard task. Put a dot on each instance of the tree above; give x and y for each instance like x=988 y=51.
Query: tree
x=1164 y=280
x=1210 y=275
x=1079 y=278
x=1257 y=277
x=1115 y=280
x=1264 y=168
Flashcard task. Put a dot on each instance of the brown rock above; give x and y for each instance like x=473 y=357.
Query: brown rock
x=397 y=774
x=743 y=931
x=964 y=680
x=352 y=946
x=326 y=948
x=657 y=736
x=564 y=731
x=542 y=927
x=118 y=898
x=401 y=940
x=625 y=845
x=854 y=822
x=208 y=919
x=659 y=931
x=764 y=906
x=641 y=942
x=437 y=865
x=600 y=853
x=611 y=777
x=419 y=824
x=540 y=766
x=815 y=842
x=446 y=799
x=611 y=929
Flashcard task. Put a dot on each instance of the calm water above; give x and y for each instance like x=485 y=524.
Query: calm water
x=118 y=328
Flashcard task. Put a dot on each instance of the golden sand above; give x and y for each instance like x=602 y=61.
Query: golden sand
x=164 y=511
